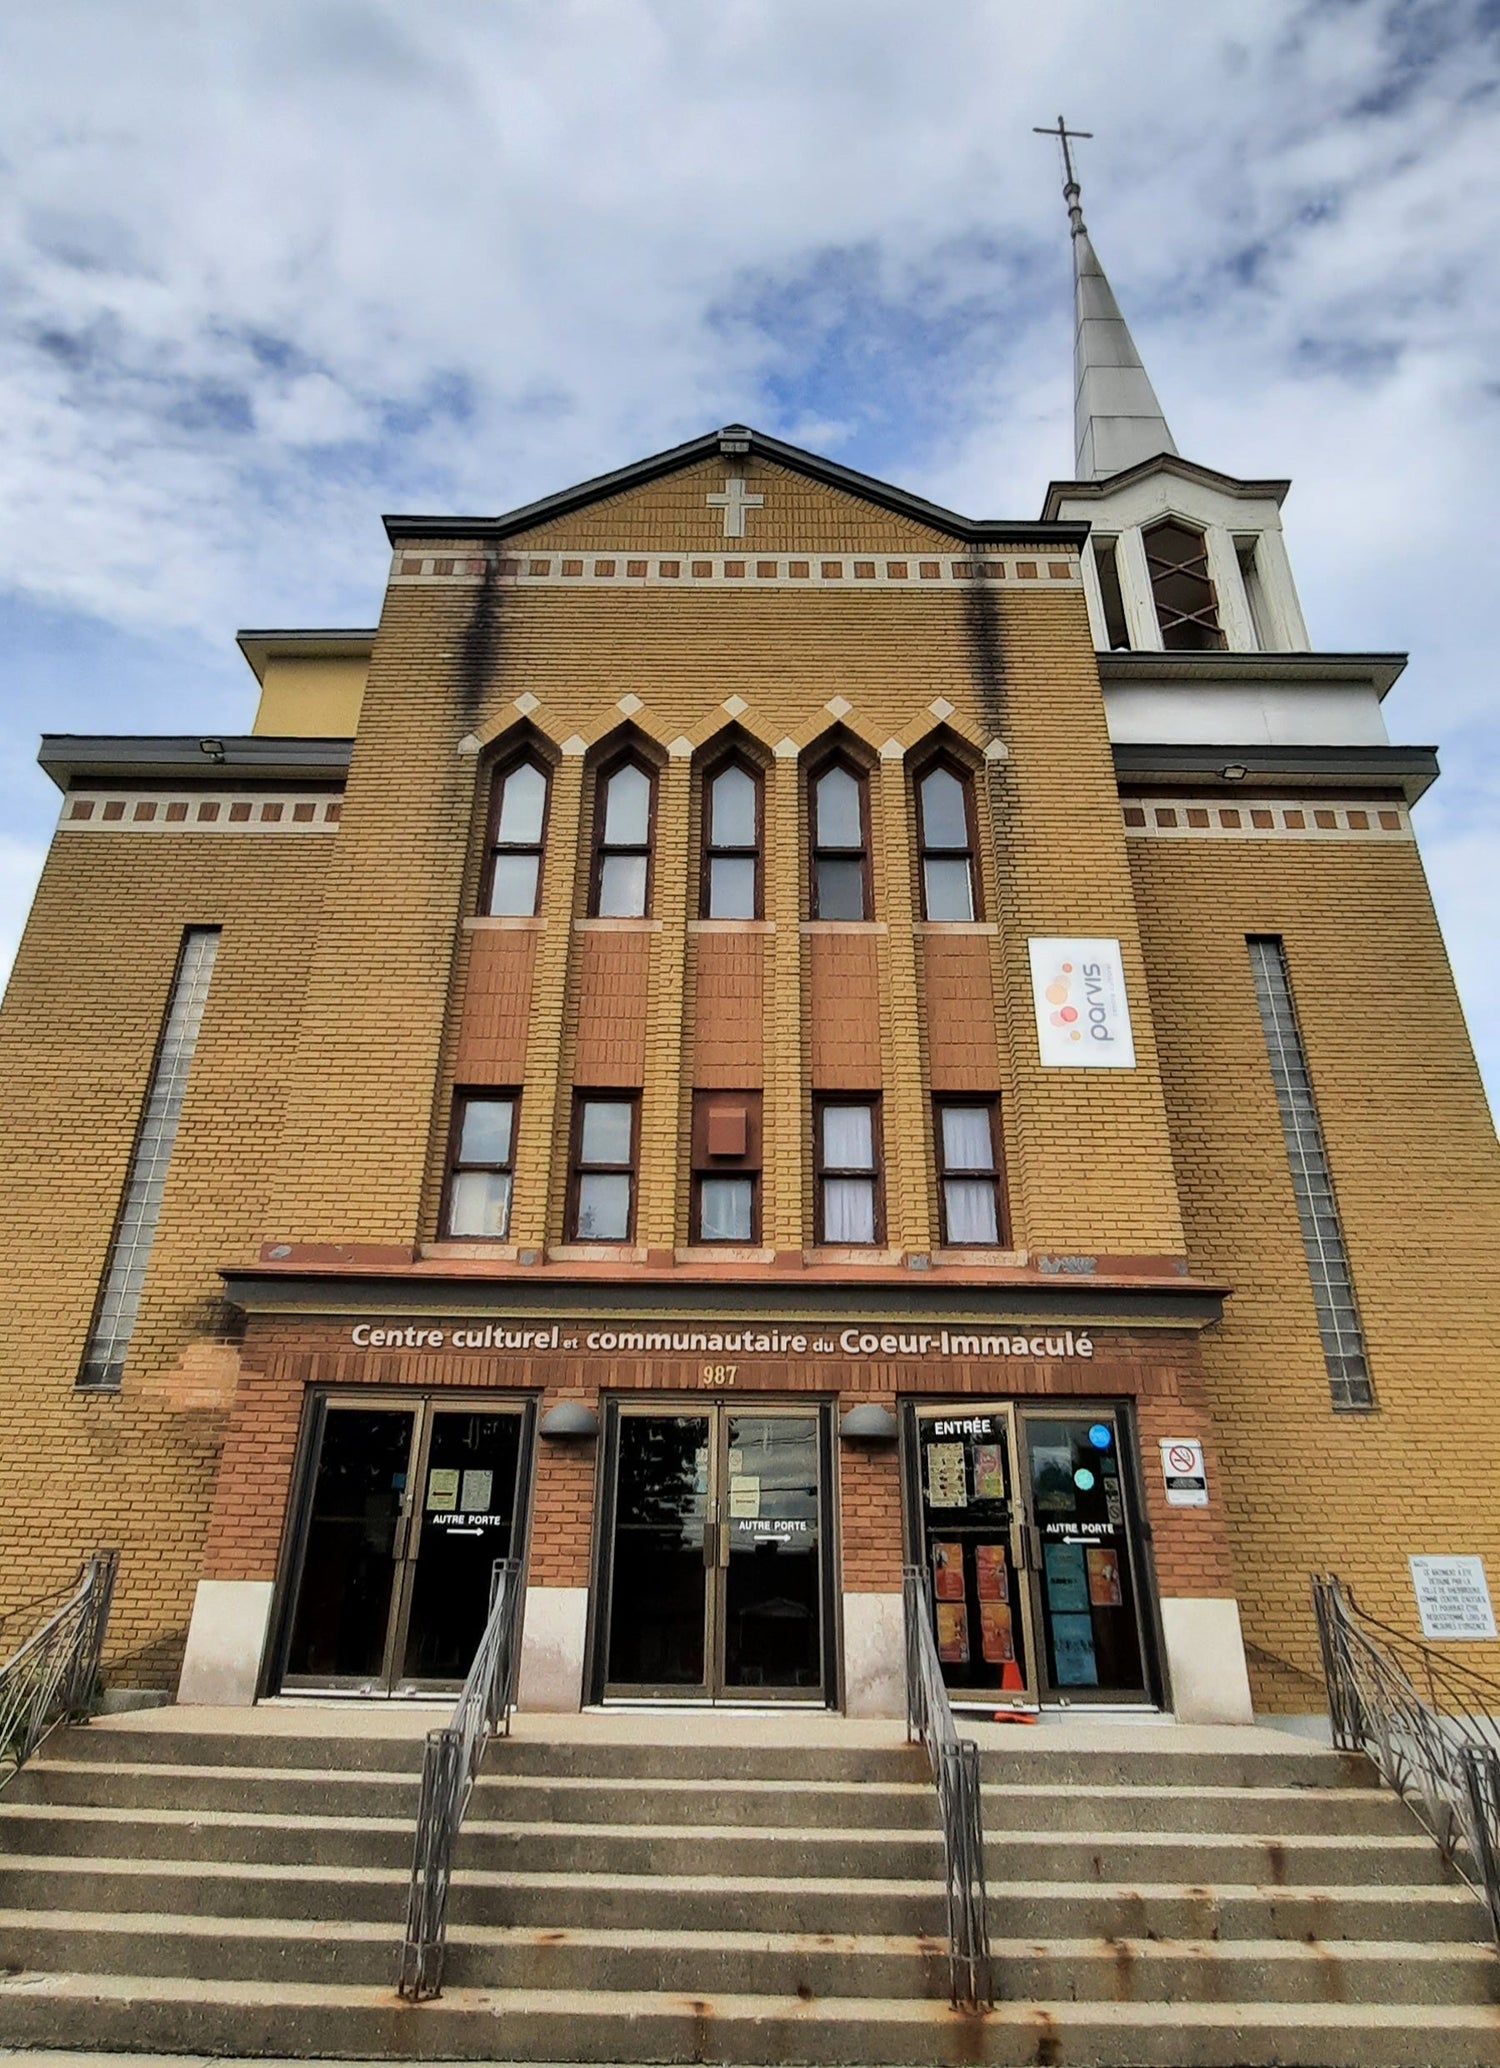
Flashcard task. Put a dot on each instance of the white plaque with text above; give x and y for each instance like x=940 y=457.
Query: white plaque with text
x=1453 y=1597
x=1082 y=1018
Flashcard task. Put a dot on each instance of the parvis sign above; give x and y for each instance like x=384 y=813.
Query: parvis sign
x=1082 y=1018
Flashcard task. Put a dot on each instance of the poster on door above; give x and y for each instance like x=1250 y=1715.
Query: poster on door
x=953 y=1633
x=948 y=1571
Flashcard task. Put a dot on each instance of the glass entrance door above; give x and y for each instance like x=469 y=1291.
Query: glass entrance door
x=716 y=1576
x=1025 y=1531
x=408 y=1506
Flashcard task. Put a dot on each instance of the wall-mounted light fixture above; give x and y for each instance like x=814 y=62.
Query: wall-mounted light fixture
x=869 y=1424
x=214 y=749
x=1234 y=772
x=569 y=1422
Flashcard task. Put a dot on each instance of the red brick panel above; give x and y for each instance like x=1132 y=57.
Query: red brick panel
x=728 y=1044
x=843 y=1009
x=496 y=1007
x=961 y=1043
x=613 y=992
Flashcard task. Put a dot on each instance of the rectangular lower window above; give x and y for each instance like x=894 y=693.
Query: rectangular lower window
x=1312 y=1181
x=726 y=1166
x=481 y=1166
x=968 y=1160
x=847 y=1171
x=140 y=1210
x=604 y=1162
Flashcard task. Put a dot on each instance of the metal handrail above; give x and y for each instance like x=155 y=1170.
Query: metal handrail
x=955 y=1770
x=450 y=1765
x=52 y=1676
x=1439 y=1752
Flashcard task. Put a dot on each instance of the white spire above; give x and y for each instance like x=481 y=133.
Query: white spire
x=1117 y=420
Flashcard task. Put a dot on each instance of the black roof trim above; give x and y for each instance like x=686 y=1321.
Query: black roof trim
x=73 y=757
x=1411 y=770
x=974 y=531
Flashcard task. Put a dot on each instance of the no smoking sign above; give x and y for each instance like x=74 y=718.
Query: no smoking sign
x=1183 y=1472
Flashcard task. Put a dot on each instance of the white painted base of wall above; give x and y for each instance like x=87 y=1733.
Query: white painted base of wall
x=874 y=1655
x=552 y=1635
x=1206 y=1660
x=226 y=1638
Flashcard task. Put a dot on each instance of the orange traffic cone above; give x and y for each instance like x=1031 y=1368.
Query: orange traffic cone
x=1010 y=1678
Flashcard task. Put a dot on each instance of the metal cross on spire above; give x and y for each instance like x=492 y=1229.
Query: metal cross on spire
x=1071 y=189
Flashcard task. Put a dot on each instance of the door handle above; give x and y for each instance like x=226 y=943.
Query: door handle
x=402 y=1536
x=723 y=1543
x=711 y=1533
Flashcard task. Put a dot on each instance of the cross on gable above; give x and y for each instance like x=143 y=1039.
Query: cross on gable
x=734 y=502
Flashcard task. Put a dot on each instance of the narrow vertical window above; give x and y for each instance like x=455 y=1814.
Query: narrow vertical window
x=1107 y=569
x=517 y=823
x=731 y=844
x=1187 y=607
x=945 y=836
x=603 y=1175
x=726 y=1166
x=140 y=1209
x=622 y=841
x=847 y=1156
x=969 y=1174
x=1312 y=1180
x=840 y=844
x=481 y=1165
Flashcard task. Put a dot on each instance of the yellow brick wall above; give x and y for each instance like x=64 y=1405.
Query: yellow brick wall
x=1417 y=1176
x=77 y=1037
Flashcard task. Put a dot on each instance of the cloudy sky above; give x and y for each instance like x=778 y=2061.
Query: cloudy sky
x=269 y=269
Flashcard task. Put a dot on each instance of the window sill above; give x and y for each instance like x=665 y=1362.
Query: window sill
x=1010 y=1259
x=951 y=926
x=503 y=922
x=844 y=926
x=724 y=1253
x=617 y=926
x=731 y=926
x=475 y=1248
x=852 y=1253
x=597 y=1253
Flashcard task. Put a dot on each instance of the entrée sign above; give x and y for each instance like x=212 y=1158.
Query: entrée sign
x=736 y=1342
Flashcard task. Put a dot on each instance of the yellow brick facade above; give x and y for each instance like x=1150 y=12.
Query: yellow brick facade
x=350 y=1001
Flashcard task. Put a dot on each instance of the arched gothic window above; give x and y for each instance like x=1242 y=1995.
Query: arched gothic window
x=1187 y=609
x=840 y=843
x=518 y=819
x=731 y=843
x=623 y=804
x=945 y=840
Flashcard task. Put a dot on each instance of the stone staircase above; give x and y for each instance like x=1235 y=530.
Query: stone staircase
x=1165 y=1897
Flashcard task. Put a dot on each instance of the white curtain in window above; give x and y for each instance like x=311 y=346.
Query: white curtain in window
x=848 y=1210
x=970 y=1204
x=848 y=1138
x=966 y=1139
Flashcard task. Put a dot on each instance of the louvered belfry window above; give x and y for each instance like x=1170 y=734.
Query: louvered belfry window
x=1187 y=607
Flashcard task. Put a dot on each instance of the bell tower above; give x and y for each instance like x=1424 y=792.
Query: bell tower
x=1182 y=558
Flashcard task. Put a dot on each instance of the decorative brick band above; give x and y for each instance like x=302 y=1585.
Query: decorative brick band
x=739 y=570
x=217 y=812
x=1258 y=818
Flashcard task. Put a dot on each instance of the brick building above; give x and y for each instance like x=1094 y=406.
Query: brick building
x=754 y=1029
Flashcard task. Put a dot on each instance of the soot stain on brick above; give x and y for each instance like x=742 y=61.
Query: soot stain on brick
x=986 y=649
x=479 y=650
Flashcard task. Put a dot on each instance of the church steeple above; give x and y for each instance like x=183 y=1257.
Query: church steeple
x=1117 y=420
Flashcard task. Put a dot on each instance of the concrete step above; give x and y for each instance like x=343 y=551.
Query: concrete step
x=572 y=1902
x=175 y=2016
x=227 y=1835
x=1035 y=1757
x=281 y=1952
x=800 y=1804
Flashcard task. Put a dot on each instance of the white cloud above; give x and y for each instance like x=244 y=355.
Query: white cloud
x=269 y=269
